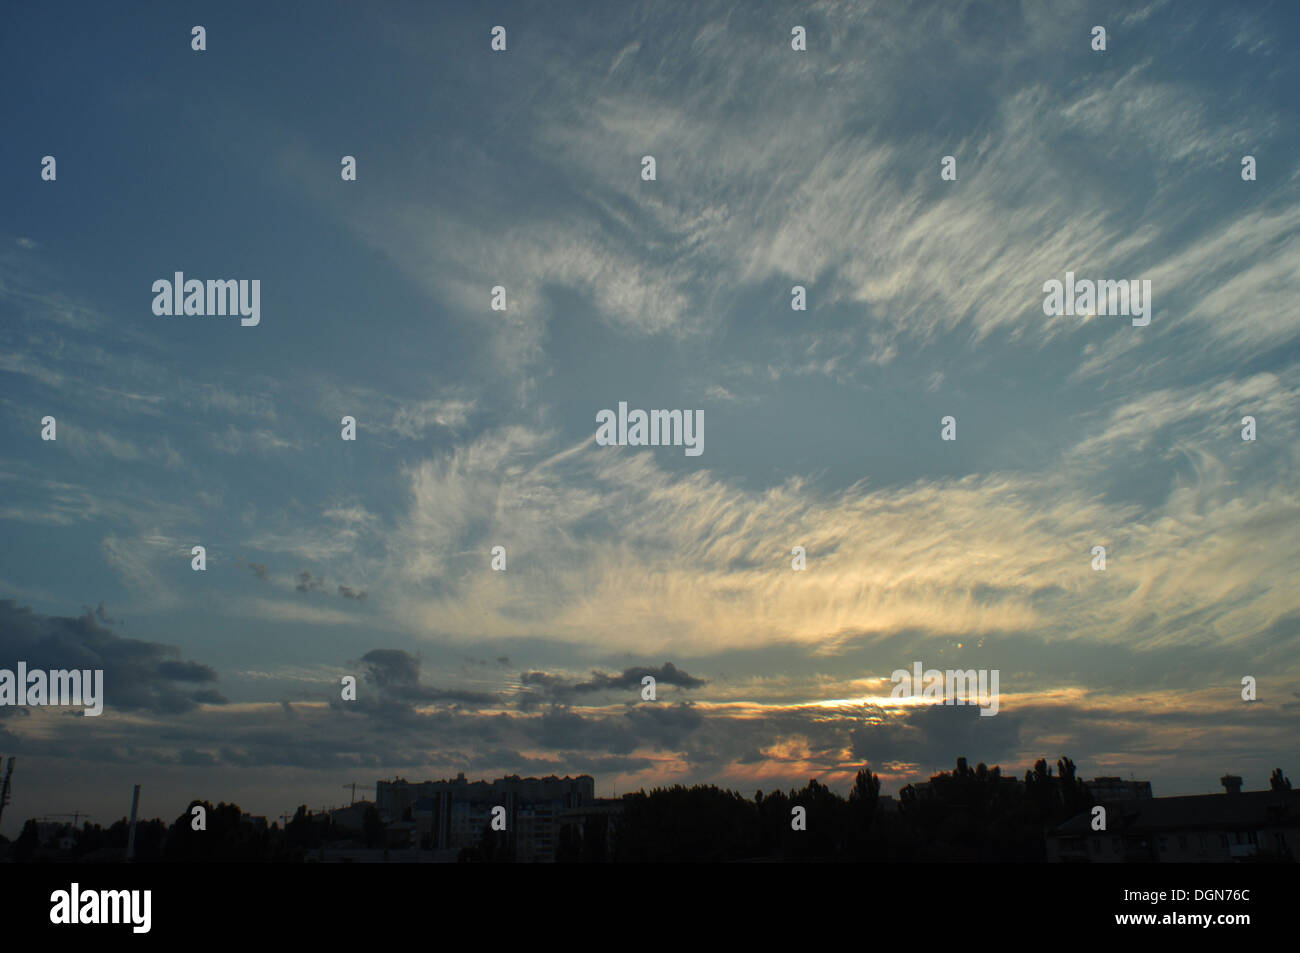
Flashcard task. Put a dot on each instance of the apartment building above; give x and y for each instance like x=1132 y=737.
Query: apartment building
x=452 y=814
x=1204 y=828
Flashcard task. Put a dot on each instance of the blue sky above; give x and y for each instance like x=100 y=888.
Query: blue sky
x=522 y=169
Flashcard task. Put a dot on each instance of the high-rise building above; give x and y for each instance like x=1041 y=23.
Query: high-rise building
x=453 y=814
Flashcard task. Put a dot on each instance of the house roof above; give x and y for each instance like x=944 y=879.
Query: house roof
x=1249 y=809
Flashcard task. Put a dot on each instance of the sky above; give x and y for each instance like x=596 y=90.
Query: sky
x=475 y=427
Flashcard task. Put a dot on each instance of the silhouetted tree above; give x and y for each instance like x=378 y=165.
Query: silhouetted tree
x=308 y=831
x=150 y=839
x=700 y=823
x=864 y=800
x=28 y=841
x=373 y=830
x=226 y=836
x=1074 y=794
x=969 y=815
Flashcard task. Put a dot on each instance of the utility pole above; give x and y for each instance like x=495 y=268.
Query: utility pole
x=130 y=838
x=4 y=788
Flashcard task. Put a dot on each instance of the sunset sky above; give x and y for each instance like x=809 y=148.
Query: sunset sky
x=475 y=427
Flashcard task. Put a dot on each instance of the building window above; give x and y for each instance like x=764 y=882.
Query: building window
x=1202 y=840
x=1182 y=842
x=1164 y=846
x=1223 y=840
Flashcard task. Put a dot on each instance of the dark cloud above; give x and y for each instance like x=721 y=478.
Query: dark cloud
x=936 y=735
x=629 y=680
x=665 y=727
x=564 y=729
x=138 y=675
x=396 y=676
x=391 y=668
x=310 y=583
x=508 y=761
x=393 y=729
x=398 y=724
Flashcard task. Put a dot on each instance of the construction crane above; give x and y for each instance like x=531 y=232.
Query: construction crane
x=4 y=788
x=72 y=814
x=354 y=785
